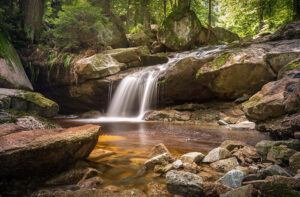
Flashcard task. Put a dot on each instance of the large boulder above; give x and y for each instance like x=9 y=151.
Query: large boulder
x=270 y=101
x=95 y=67
x=184 y=183
x=224 y=35
x=26 y=101
x=12 y=74
x=219 y=73
x=180 y=30
x=37 y=152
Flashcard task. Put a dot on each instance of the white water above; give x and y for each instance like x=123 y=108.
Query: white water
x=137 y=93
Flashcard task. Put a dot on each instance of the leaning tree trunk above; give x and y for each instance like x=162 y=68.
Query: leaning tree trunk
x=296 y=10
x=33 y=15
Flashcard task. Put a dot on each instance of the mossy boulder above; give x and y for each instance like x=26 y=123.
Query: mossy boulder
x=295 y=64
x=26 y=101
x=180 y=30
x=96 y=67
x=294 y=162
x=12 y=74
x=224 y=35
x=129 y=55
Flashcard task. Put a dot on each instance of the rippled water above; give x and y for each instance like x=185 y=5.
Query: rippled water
x=131 y=144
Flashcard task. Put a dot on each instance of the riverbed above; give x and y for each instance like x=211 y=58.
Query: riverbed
x=130 y=144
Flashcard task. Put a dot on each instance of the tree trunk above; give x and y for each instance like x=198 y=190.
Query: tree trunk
x=183 y=4
x=165 y=8
x=260 y=13
x=146 y=13
x=107 y=7
x=209 y=13
x=171 y=3
x=128 y=16
x=33 y=16
x=296 y=10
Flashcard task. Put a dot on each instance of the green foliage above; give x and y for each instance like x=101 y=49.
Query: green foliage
x=138 y=28
x=242 y=17
x=77 y=26
x=67 y=61
x=52 y=58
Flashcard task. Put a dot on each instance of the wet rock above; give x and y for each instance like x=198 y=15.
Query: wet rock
x=191 y=167
x=231 y=145
x=297 y=135
x=37 y=152
x=168 y=115
x=225 y=165
x=245 y=125
x=97 y=154
x=158 y=150
x=35 y=122
x=31 y=102
x=154 y=59
x=87 y=192
x=294 y=162
x=91 y=114
x=243 y=169
x=276 y=186
x=280 y=154
x=247 y=155
x=245 y=191
x=232 y=178
x=286 y=32
x=215 y=189
x=242 y=99
x=157 y=190
x=275 y=170
x=184 y=183
x=264 y=146
x=177 y=164
x=192 y=157
x=90 y=182
x=73 y=176
x=162 y=169
x=162 y=159
x=216 y=155
x=222 y=122
x=253 y=177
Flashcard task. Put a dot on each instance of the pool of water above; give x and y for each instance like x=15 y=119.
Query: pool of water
x=131 y=143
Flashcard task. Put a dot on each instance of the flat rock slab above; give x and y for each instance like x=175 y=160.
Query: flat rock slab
x=36 y=152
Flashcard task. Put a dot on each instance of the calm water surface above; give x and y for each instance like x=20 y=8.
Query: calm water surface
x=131 y=143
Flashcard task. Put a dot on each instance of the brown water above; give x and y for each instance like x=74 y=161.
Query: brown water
x=131 y=143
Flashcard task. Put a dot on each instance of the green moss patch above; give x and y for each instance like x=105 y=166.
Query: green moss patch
x=291 y=66
x=220 y=61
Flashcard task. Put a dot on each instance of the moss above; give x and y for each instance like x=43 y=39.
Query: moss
x=162 y=82
x=279 y=148
x=8 y=52
x=198 y=73
x=220 y=61
x=8 y=120
x=291 y=66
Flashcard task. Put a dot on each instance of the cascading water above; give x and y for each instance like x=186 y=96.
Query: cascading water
x=138 y=92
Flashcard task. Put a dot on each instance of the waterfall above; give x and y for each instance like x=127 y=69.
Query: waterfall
x=137 y=93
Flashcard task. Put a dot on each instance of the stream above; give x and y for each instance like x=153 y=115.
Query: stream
x=131 y=143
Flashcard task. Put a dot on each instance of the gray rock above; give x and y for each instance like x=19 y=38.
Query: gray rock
x=233 y=178
x=192 y=157
x=246 y=125
x=216 y=155
x=279 y=154
x=162 y=159
x=184 y=183
x=245 y=191
x=275 y=170
x=222 y=122
x=177 y=164
x=264 y=146
x=225 y=165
